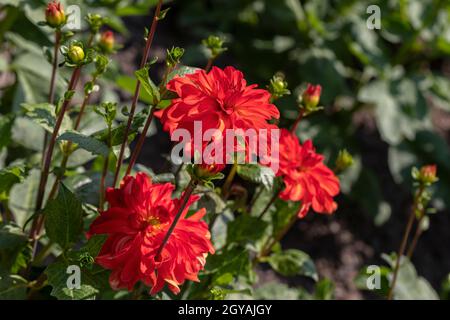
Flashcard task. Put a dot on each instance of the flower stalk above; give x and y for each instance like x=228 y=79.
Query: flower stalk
x=186 y=195
x=137 y=91
x=402 y=248
x=51 y=94
x=38 y=222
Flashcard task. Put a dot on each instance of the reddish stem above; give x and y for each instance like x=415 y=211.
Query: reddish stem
x=140 y=143
x=187 y=194
x=297 y=121
x=37 y=223
x=137 y=91
x=402 y=248
x=51 y=94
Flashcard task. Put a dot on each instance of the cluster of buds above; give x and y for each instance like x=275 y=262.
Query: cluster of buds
x=215 y=45
x=426 y=175
x=278 y=86
x=174 y=56
x=55 y=16
x=309 y=100
x=343 y=161
x=95 y=22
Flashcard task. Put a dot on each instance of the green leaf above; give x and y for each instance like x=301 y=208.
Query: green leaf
x=366 y=277
x=445 y=291
x=44 y=115
x=245 y=228
x=410 y=286
x=283 y=213
x=14 y=249
x=129 y=85
x=6 y=123
x=324 y=290
x=235 y=261
x=12 y=287
x=181 y=71
x=257 y=173
x=9 y=176
x=64 y=221
x=148 y=85
x=85 y=142
x=58 y=275
x=22 y=197
x=293 y=262
x=275 y=290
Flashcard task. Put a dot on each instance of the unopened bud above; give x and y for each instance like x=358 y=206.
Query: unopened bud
x=107 y=41
x=426 y=174
x=311 y=97
x=76 y=54
x=54 y=14
x=278 y=87
x=344 y=160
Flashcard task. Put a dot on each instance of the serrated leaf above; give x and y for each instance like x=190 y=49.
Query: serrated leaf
x=257 y=174
x=64 y=221
x=44 y=115
x=57 y=278
x=85 y=142
x=292 y=262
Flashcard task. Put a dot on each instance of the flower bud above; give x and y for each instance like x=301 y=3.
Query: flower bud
x=311 y=96
x=174 y=56
x=76 y=54
x=207 y=171
x=54 y=14
x=278 y=87
x=215 y=45
x=344 y=160
x=107 y=41
x=426 y=174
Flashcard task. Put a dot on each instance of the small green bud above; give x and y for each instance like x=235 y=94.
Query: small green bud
x=278 y=86
x=95 y=22
x=215 y=45
x=76 y=54
x=174 y=56
x=344 y=160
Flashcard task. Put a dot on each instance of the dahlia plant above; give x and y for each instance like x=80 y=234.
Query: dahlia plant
x=109 y=227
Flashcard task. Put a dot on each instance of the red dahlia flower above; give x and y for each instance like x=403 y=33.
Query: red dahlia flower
x=136 y=222
x=220 y=99
x=306 y=177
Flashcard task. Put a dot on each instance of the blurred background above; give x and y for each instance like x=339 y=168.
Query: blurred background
x=386 y=94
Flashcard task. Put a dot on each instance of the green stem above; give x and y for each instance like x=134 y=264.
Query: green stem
x=272 y=200
x=227 y=185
